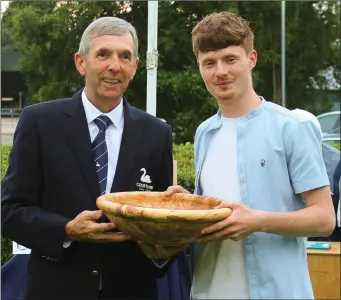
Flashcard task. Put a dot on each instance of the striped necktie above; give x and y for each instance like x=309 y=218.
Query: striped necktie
x=99 y=147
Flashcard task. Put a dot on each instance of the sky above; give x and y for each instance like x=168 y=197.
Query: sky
x=4 y=5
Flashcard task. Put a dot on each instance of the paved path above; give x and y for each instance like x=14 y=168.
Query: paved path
x=8 y=126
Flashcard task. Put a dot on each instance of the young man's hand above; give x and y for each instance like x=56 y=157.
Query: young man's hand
x=242 y=222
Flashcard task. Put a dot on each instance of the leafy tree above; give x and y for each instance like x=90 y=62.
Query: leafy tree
x=312 y=31
x=48 y=34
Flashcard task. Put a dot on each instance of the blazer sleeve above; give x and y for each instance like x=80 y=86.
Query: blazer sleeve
x=22 y=217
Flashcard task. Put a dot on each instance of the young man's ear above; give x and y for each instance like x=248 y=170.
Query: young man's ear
x=80 y=64
x=253 y=59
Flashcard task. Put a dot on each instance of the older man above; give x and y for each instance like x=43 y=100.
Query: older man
x=68 y=152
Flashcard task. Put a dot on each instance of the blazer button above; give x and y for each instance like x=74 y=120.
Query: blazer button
x=94 y=273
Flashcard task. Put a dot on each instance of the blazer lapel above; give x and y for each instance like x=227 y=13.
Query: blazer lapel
x=131 y=136
x=77 y=132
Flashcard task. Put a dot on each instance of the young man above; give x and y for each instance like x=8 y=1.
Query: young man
x=266 y=163
x=68 y=152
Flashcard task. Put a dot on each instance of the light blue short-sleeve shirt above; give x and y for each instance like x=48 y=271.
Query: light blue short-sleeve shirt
x=279 y=156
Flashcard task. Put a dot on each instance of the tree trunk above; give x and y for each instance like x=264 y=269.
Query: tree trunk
x=276 y=78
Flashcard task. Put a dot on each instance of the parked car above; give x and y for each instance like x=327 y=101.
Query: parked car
x=331 y=139
x=330 y=123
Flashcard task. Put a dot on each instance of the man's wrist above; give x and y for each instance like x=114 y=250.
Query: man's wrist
x=261 y=221
x=68 y=232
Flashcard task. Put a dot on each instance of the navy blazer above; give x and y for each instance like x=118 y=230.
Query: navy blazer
x=52 y=178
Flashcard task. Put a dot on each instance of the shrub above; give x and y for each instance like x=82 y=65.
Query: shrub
x=337 y=146
x=5 y=150
x=184 y=156
x=6 y=244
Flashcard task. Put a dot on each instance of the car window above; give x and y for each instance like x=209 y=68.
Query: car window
x=329 y=123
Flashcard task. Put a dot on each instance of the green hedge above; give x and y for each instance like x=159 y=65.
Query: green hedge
x=337 y=146
x=6 y=244
x=182 y=153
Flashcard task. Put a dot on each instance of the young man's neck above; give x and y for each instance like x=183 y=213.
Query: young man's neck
x=240 y=106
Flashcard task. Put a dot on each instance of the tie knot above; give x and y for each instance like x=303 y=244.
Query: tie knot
x=102 y=122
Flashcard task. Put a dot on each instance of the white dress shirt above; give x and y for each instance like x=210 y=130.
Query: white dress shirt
x=113 y=134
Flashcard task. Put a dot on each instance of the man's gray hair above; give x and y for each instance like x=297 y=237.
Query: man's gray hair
x=106 y=26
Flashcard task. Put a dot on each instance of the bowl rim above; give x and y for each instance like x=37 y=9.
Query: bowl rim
x=160 y=214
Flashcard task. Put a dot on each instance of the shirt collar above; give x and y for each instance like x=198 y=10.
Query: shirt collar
x=217 y=119
x=92 y=112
